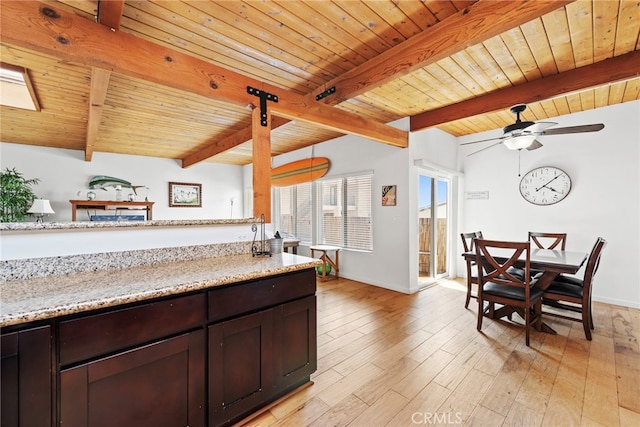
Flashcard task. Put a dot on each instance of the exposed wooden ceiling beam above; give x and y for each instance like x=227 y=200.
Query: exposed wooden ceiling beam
x=109 y=14
x=44 y=28
x=474 y=24
x=608 y=71
x=216 y=146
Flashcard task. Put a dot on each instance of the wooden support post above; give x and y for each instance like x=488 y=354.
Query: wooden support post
x=261 y=136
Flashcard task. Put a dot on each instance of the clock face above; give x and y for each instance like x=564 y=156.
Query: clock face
x=545 y=185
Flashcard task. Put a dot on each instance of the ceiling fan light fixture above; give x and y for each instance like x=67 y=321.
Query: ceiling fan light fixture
x=523 y=134
x=519 y=142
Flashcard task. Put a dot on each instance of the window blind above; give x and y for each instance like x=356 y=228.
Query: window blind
x=345 y=212
x=295 y=211
x=343 y=218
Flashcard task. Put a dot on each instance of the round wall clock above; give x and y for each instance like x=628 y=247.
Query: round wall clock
x=545 y=185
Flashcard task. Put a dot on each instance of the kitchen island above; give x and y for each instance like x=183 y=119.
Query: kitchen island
x=199 y=342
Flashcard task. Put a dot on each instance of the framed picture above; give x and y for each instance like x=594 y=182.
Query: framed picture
x=185 y=195
x=388 y=195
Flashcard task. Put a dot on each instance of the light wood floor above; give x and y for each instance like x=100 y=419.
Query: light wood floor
x=390 y=359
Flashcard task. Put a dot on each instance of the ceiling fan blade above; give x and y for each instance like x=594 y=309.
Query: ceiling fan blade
x=539 y=127
x=534 y=145
x=574 y=129
x=483 y=140
x=485 y=148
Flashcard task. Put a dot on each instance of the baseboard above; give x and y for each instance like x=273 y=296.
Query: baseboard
x=614 y=301
x=374 y=283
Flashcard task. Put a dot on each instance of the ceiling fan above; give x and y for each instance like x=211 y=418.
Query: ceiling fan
x=523 y=134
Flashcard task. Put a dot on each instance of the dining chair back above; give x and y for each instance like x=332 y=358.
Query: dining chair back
x=572 y=294
x=548 y=240
x=468 y=246
x=497 y=285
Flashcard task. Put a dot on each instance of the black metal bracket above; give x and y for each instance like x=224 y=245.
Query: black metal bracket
x=264 y=97
x=326 y=93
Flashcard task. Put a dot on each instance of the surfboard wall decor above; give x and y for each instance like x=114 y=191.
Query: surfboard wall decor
x=300 y=171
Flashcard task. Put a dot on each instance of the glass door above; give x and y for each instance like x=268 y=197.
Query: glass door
x=433 y=212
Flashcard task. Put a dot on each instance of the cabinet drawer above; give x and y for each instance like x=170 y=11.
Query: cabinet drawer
x=247 y=297
x=92 y=336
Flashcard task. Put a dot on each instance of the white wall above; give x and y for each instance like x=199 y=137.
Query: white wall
x=387 y=265
x=393 y=264
x=604 y=199
x=53 y=243
x=63 y=173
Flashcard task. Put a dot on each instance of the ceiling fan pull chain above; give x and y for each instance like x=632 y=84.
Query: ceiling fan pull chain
x=519 y=151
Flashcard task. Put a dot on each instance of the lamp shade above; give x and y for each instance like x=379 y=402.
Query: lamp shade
x=41 y=207
x=519 y=142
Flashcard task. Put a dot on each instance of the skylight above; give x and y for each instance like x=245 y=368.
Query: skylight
x=16 y=89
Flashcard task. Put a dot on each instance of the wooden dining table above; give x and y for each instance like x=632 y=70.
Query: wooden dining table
x=550 y=261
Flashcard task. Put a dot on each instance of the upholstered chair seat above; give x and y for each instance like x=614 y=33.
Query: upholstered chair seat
x=563 y=278
x=510 y=292
x=565 y=289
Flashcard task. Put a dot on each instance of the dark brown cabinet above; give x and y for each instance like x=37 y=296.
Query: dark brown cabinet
x=26 y=380
x=206 y=358
x=161 y=384
x=257 y=357
x=123 y=367
x=294 y=343
x=240 y=366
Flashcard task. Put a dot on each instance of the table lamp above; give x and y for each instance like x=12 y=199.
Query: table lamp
x=39 y=208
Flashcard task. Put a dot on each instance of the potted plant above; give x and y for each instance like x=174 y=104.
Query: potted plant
x=16 y=195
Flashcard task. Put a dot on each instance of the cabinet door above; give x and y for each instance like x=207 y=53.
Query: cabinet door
x=161 y=384
x=26 y=378
x=240 y=366
x=294 y=342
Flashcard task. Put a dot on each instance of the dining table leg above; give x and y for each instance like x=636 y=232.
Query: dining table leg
x=543 y=283
x=507 y=311
x=546 y=279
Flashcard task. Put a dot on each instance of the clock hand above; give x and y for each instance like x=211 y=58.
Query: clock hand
x=554 y=190
x=548 y=182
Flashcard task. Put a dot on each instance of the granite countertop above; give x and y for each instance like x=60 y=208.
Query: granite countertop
x=27 y=226
x=43 y=298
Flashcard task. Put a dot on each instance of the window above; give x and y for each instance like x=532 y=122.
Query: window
x=16 y=89
x=295 y=213
x=342 y=217
x=347 y=222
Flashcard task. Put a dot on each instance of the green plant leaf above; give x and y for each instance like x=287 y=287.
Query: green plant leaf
x=16 y=195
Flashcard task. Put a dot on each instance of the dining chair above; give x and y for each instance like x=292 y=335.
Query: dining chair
x=543 y=240
x=468 y=246
x=548 y=240
x=497 y=285
x=573 y=294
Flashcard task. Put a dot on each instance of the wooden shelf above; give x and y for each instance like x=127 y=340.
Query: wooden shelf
x=106 y=205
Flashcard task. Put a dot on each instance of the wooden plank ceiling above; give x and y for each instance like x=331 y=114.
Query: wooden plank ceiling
x=458 y=65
